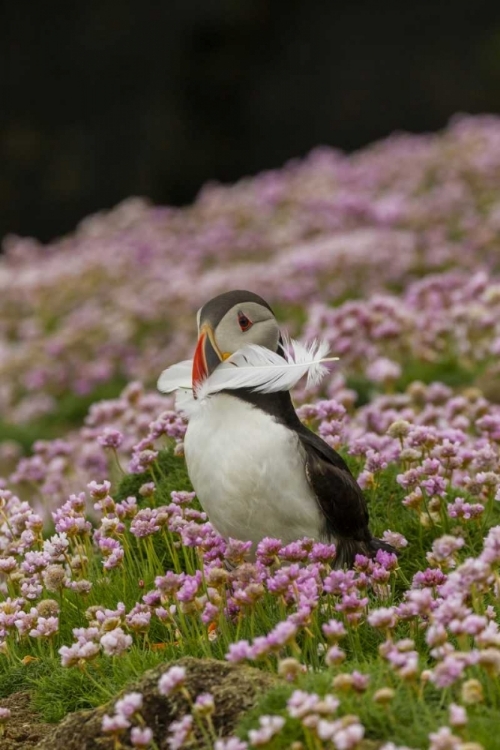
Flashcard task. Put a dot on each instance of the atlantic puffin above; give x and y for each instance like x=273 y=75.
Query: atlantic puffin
x=257 y=470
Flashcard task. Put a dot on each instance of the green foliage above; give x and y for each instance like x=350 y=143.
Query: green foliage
x=169 y=472
x=70 y=412
x=58 y=690
x=26 y=435
x=73 y=408
x=18 y=676
x=407 y=720
x=415 y=710
x=453 y=372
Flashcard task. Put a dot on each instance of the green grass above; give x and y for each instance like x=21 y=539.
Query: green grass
x=413 y=713
x=57 y=690
x=415 y=710
x=70 y=413
x=449 y=371
x=452 y=372
x=169 y=474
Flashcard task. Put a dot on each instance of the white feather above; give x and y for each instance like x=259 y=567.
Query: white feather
x=253 y=367
x=313 y=356
x=262 y=370
x=176 y=376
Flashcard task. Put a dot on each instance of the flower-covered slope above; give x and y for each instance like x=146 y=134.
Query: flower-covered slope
x=116 y=298
x=107 y=563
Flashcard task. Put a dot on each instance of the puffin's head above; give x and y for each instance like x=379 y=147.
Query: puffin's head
x=227 y=323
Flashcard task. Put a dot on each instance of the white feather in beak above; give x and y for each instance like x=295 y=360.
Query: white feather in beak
x=253 y=367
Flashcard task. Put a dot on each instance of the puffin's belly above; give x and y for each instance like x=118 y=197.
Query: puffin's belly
x=248 y=472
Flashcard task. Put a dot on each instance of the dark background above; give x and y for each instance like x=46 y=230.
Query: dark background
x=105 y=99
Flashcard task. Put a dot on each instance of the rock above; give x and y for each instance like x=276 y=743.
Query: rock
x=24 y=729
x=235 y=689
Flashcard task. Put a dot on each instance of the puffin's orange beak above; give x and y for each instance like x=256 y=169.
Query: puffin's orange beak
x=206 y=357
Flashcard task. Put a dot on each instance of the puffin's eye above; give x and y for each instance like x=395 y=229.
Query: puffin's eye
x=244 y=322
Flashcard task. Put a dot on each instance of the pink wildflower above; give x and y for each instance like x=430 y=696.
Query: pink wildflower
x=172 y=680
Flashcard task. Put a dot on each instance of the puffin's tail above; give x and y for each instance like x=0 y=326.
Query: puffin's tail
x=347 y=549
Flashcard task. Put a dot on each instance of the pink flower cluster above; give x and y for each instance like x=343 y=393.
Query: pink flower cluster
x=440 y=441
x=116 y=300
x=127 y=710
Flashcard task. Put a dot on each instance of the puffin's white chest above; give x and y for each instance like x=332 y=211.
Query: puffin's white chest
x=249 y=472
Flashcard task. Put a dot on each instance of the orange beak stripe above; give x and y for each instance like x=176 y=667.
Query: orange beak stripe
x=206 y=357
x=200 y=370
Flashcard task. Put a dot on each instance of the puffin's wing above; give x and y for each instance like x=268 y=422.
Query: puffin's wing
x=337 y=492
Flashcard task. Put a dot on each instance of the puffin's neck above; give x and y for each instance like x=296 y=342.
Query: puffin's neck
x=277 y=405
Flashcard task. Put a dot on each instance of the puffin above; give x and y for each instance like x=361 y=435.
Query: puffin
x=257 y=470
